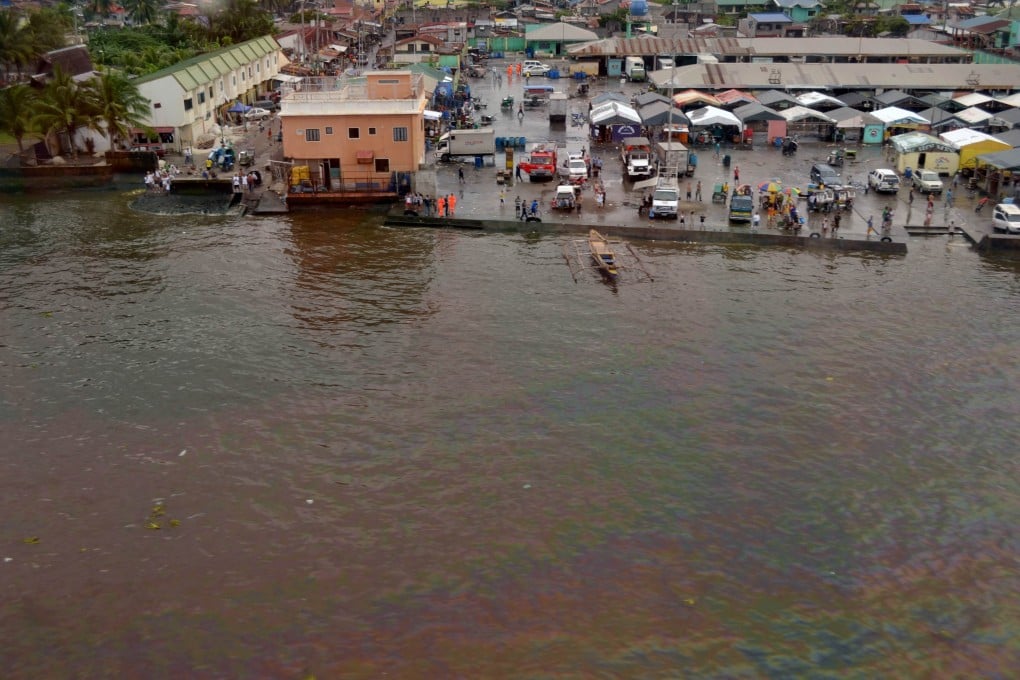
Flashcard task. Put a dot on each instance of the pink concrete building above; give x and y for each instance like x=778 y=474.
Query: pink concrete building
x=357 y=137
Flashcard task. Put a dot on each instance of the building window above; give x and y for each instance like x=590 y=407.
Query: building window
x=353 y=133
x=312 y=135
x=371 y=131
x=329 y=130
x=188 y=104
x=400 y=134
x=221 y=85
x=201 y=97
x=382 y=164
x=233 y=80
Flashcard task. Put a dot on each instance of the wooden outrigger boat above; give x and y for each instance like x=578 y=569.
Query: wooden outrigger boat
x=596 y=253
x=605 y=259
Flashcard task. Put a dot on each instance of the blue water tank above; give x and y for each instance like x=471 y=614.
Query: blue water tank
x=638 y=8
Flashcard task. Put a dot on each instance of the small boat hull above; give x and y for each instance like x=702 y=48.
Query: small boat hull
x=602 y=254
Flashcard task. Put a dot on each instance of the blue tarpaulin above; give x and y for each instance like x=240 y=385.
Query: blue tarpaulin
x=238 y=107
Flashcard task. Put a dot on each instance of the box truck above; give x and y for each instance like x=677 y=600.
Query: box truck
x=480 y=142
x=634 y=68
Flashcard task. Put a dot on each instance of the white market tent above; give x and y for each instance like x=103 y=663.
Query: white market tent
x=894 y=115
x=1012 y=100
x=972 y=99
x=614 y=113
x=973 y=116
x=965 y=137
x=711 y=115
x=798 y=113
x=813 y=99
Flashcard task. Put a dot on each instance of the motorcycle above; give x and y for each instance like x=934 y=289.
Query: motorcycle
x=981 y=204
x=789 y=148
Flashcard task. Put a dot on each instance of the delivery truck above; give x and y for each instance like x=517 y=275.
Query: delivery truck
x=456 y=143
x=675 y=158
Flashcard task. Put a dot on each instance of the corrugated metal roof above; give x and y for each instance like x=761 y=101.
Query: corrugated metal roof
x=769 y=47
x=843 y=76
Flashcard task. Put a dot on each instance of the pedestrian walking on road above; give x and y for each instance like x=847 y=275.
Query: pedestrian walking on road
x=910 y=197
x=871 y=226
x=697 y=192
x=517 y=173
x=460 y=175
x=517 y=205
x=736 y=174
x=949 y=198
x=688 y=191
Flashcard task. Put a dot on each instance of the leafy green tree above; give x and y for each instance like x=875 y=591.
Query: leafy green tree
x=64 y=108
x=239 y=20
x=17 y=108
x=117 y=104
x=48 y=29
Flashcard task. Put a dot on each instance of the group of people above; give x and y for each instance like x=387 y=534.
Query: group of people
x=523 y=211
x=428 y=206
x=159 y=181
x=245 y=182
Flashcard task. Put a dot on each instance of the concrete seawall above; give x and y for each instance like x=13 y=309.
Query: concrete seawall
x=655 y=233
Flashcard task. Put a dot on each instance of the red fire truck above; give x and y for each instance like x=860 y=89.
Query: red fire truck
x=541 y=162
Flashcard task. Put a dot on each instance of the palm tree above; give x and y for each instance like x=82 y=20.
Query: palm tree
x=100 y=7
x=17 y=108
x=64 y=108
x=117 y=104
x=142 y=11
x=15 y=42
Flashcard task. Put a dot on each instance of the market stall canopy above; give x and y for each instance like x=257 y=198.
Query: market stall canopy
x=1004 y=160
x=913 y=142
x=1012 y=100
x=238 y=107
x=1010 y=118
x=711 y=115
x=689 y=97
x=940 y=117
x=731 y=98
x=614 y=113
x=749 y=113
x=965 y=137
x=646 y=98
x=894 y=115
x=847 y=118
x=661 y=113
x=818 y=100
x=776 y=99
x=855 y=100
x=798 y=113
x=609 y=97
x=972 y=99
x=974 y=116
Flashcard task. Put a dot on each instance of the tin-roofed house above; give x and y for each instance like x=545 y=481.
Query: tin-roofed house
x=921 y=151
